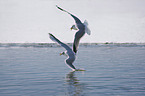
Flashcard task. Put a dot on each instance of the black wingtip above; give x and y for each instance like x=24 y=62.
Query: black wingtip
x=49 y=33
x=59 y=8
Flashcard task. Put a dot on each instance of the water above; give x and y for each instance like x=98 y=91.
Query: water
x=110 y=71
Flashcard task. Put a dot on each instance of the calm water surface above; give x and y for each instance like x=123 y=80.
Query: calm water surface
x=110 y=71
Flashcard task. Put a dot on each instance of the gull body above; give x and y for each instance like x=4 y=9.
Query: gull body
x=69 y=52
x=81 y=27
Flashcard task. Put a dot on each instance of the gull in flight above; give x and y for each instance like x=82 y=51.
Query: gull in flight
x=69 y=53
x=81 y=27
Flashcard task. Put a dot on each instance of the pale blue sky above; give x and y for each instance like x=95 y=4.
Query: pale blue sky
x=29 y=21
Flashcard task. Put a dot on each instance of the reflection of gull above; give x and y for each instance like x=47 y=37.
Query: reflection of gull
x=68 y=52
x=71 y=79
x=83 y=28
x=74 y=87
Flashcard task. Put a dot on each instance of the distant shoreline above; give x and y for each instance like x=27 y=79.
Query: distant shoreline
x=82 y=43
x=45 y=45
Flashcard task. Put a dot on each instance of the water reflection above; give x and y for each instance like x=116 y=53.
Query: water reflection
x=74 y=87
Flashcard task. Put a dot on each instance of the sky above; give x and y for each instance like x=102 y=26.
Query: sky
x=30 y=21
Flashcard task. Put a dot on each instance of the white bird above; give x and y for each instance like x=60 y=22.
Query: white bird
x=81 y=27
x=69 y=52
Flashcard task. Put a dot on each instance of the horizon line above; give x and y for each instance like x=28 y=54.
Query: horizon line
x=71 y=42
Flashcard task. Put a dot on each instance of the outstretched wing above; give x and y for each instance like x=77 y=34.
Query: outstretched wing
x=53 y=38
x=76 y=41
x=75 y=45
x=75 y=18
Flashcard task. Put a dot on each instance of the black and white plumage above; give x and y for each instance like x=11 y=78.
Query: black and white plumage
x=69 y=52
x=81 y=27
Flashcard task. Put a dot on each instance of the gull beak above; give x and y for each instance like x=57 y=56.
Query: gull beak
x=71 y=28
x=60 y=54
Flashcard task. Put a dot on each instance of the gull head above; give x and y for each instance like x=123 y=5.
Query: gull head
x=74 y=27
x=63 y=53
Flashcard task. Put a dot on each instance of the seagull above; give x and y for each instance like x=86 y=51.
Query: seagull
x=69 y=53
x=81 y=27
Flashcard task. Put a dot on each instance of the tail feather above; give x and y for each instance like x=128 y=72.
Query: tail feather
x=87 y=30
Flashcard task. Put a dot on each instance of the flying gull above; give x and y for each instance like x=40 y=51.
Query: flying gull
x=69 y=53
x=81 y=27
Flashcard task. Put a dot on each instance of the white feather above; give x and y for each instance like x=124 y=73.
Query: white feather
x=87 y=30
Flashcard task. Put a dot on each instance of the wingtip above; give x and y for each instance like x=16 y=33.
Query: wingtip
x=58 y=7
x=50 y=34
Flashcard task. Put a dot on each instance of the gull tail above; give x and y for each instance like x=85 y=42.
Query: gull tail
x=87 y=30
